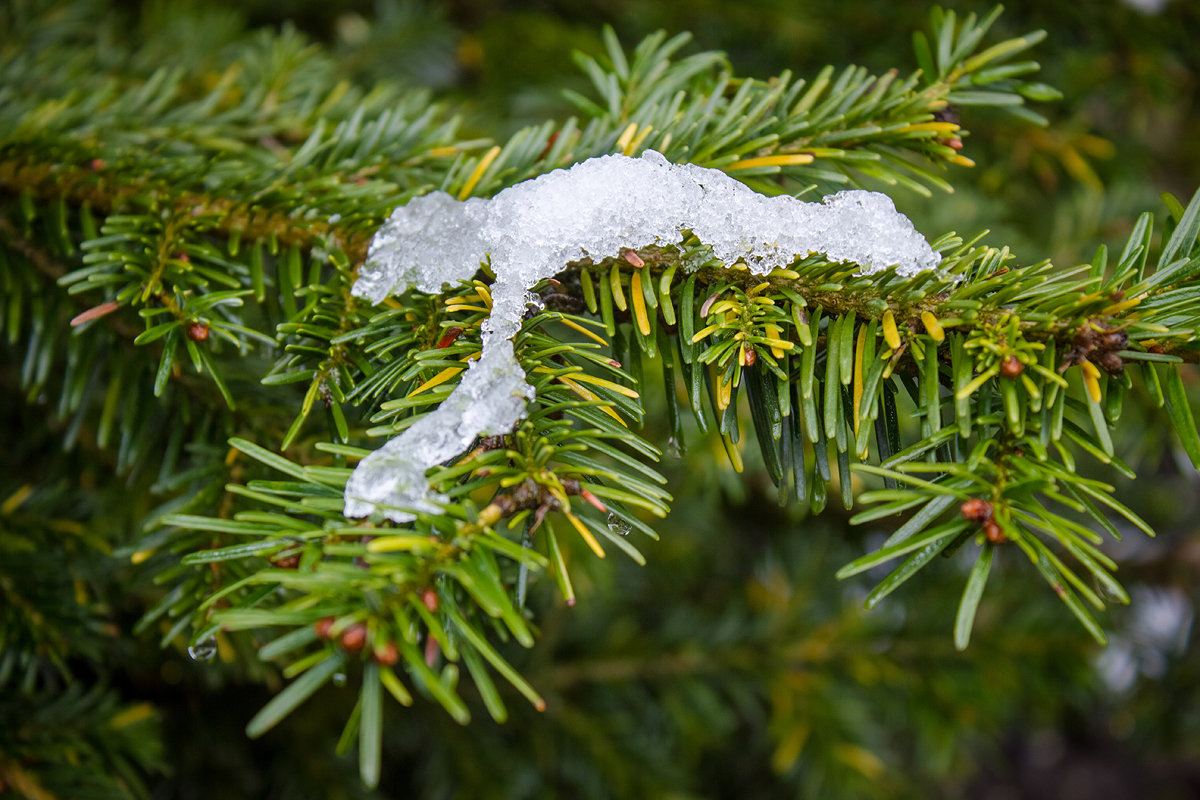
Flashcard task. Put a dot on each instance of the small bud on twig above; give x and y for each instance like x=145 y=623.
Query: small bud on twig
x=1011 y=367
x=976 y=510
x=632 y=257
x=430 y=599
x=354 y=638
x=197 y=331
x=386 y=655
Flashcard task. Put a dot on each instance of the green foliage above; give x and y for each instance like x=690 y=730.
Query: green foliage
x=181 y=233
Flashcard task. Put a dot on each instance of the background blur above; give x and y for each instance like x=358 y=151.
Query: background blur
x=734 y=665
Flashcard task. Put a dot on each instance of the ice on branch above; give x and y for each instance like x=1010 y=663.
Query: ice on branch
x=594 y=209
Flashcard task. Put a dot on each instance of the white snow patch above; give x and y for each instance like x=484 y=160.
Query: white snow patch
x=594 y=209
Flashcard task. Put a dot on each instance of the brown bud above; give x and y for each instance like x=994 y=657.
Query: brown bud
x=1011 y=367
x=387 y=654
x=1110 y=362
x=354 y=638
x=751 y=357
x=323 y=626
x=97 y=163
x=976 y=509
x=197 y=331
x=287 y=562
x=993 y=532
x=449 y=336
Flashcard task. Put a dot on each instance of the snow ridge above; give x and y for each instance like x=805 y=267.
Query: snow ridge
x=594 y=209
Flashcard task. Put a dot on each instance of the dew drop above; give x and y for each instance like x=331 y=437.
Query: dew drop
x=203 y=651
x=618 y=525
x=675 y=448
x=339 y=679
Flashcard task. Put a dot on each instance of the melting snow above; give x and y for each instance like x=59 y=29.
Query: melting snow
x=594 y=209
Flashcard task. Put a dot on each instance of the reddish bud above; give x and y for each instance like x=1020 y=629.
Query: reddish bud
x=1154 y=348
x=993 y=532
x=387 y=655
x=976 y=510
x=1011 y=367
x=430 y=599
x=197 y=331
x=97 y=163
x=953 y=142
x=355 y=638
x=184 y=257
x=751 y=357
x=633 y=258
x=323 y=626
x=449 y=337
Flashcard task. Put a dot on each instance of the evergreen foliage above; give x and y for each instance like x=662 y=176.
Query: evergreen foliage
x=190 y=382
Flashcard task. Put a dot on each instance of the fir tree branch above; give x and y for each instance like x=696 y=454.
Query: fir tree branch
x=247 y=208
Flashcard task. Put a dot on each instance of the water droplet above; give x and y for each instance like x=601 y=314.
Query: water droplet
x=675 y=448
x=203 y=651
x=339 y=679
x=618 y=525
x=335 y=218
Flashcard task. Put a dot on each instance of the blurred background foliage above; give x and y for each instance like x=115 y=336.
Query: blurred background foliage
x=733 y=664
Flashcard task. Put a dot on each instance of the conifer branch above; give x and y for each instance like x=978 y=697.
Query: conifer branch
x=224 y=227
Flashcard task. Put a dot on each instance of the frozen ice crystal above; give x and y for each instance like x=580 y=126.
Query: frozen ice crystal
x=489 y=399
x=594 y=209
